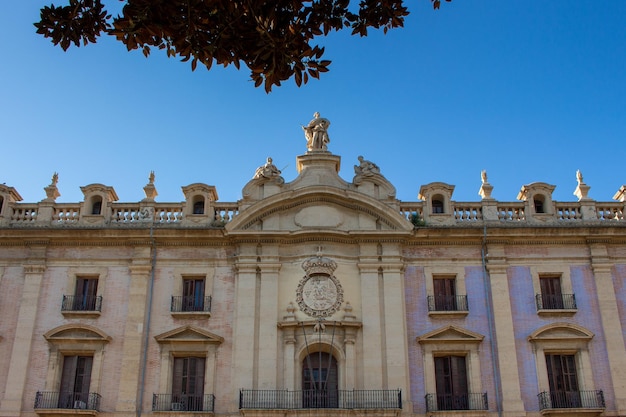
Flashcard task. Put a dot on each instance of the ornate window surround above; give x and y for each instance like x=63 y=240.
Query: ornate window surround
x=563 y=338
x=451 y=340
x=75 y=339
x=188 y=341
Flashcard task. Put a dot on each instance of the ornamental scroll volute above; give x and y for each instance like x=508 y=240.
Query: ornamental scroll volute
x=319 y=293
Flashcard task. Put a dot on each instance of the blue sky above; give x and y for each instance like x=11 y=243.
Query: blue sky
x=528 y=90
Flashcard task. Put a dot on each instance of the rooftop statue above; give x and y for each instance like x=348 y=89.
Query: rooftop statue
x=366 y=168
x=269 y=170
x=316 y=133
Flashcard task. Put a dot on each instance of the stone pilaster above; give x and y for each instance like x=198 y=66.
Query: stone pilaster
x=396 y=353
x=350 y=351
x=372 y=361
x=244 y=334
x=268 y=330
x=607 y=302
x=34 y=270
x=289 y=374
x=504 y=335
x=140 y=270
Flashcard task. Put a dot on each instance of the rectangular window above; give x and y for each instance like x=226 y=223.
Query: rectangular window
x=75 y=380
x=451 y=383
x=551 y=295
x=193 y=294
x=563 y=381
x=188 y=384
x=445 y=293
x=85 y=294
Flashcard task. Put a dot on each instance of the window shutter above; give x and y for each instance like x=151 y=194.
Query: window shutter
x=177 y=382
x=83 y=377
x=459 y=375
x=69 y=373
x=198 y=379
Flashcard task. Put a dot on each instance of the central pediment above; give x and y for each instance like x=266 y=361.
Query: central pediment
x=319 y=208
x=319 y=200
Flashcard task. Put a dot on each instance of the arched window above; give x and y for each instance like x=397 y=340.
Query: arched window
x=1 y=203
x=437 y=203
x=539 y=204
x=96 y=206
x=198 y=205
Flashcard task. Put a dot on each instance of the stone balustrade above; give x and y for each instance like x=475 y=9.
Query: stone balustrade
x=219 y=214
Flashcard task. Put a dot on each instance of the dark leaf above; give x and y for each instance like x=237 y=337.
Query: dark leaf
x=273 y=39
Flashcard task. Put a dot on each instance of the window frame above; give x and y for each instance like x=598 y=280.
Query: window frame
x=75 y=340
x=563 y=272
x=187 y=341
x=73 y=275
x=178 y=286
x=563 y=339
x=451 y=272
x=452 y=341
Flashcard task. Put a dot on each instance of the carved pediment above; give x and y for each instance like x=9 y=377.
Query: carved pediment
x=451 y=334
x=76 y=333
x=561 y=332
x=189 y=334
x=318 y=207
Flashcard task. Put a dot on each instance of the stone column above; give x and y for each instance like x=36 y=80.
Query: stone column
x=504 y=336
x=268 y=330
x=372 y=360
x=132 y=357
x=34 y=270
x=607 y=302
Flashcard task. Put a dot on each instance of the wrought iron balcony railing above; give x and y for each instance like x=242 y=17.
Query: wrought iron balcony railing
x=571 y=399
x=447 y=303
x=183 y=303
x=447 y=402
x=174 y=402
x=556 y=302
x=341 y=399
x=67 y=400
x=81 y=303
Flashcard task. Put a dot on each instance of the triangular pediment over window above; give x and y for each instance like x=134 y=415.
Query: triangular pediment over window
x=450 y=334
x=189 y=334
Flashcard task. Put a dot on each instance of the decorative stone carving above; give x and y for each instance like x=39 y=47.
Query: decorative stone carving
x=146 y=214
x=582 y=189
x=485 y=187
x=366 y=168
x=52 y=192
x=319 y=293
x=150 y=189
x=316 y=133
x=268 y=171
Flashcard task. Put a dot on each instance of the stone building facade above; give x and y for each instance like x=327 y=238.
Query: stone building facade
x=316 y=296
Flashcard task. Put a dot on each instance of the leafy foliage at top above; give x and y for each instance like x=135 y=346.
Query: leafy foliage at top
x=271 y=37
